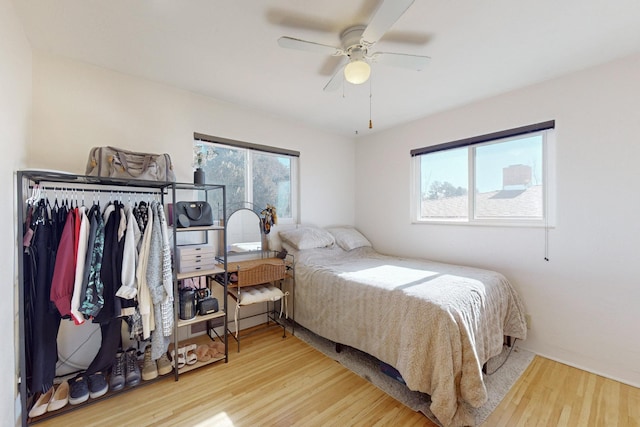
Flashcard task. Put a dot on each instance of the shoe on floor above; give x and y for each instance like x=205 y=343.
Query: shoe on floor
x=78 y=389
x=203 y=354
x=40 y=407
x=97 y=385
x=132 y=370
x=164 y=364
x=190 y=354
x=116 y=380
x=178 y=360
x=149 y=369
x=60 y=397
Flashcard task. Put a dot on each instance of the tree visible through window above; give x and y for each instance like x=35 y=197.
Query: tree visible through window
x=509 y=177
x=444 y=182
x=254 y=177
x=272 y=182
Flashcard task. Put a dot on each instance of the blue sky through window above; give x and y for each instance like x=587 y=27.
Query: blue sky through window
x=493 y=158
x=452 y=165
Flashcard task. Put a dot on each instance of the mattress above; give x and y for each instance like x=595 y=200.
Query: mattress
x=436 y=323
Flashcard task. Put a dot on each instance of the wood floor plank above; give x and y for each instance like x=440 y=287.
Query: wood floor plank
x=285 y=382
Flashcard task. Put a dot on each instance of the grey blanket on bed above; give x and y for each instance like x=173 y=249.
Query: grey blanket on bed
x=437 y=324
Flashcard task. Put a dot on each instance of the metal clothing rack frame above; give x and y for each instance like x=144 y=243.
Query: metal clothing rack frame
x=26 y=180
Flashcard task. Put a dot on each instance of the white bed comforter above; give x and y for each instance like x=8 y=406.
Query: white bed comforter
x=437 y=324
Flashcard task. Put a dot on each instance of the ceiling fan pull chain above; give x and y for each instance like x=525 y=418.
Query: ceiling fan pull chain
x=370 y=96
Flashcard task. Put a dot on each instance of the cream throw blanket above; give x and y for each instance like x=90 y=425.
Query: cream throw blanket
x=437 y=324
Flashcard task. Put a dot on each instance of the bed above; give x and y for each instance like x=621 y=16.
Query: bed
x=436 y=323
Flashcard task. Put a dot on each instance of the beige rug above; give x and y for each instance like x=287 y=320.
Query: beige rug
x=368 y=367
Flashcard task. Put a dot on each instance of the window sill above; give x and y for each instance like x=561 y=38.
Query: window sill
x=485 y=223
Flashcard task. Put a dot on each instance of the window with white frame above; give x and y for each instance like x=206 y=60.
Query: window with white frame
x=510 y=174
x=254 y=174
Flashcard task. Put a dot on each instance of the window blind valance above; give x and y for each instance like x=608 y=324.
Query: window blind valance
x=484 y=138
x=247 y=145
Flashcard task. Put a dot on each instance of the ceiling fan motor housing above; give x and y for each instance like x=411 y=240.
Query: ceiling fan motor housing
x=352 y=42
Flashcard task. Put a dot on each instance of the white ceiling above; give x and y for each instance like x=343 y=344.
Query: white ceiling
x=227 y=49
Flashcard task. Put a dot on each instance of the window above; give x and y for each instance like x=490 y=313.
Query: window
x=510 y=173
x=253 y=173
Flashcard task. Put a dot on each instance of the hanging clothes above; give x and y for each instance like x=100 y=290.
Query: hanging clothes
x=92 y=297
x=83 y=264
x=167 y=276
x=141 y=214
x=83 y=229
x=129 y=288
x=111 y=264
x=44 y=320
x=29 y=290
x=59 y=214
x=65 y=266
x=155 y=282
x=109 y=316
x=145 y=304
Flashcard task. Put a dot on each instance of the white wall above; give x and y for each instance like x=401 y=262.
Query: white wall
x=584 y=302
x=77 y=106
x=15 y=108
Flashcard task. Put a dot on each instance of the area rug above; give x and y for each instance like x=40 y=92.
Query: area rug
x=508 y=367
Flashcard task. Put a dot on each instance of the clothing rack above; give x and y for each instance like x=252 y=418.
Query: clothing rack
x=68 y=178
x=94 y=190
x=32 y=187
x=28 y=181
x=79 y=193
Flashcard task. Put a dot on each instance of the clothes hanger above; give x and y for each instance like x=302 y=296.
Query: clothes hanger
x=46 y=198
x=35 y=194
x=56 y=206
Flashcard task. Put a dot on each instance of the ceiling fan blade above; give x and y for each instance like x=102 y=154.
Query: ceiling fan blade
x=301 y=21
x=337 y=78
x=292 y=43
x=402 y=60
x=385 y=16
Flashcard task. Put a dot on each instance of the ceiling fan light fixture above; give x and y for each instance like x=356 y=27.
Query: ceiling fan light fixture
x=357 y=71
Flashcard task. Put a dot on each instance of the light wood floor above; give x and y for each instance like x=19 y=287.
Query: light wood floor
x=276 y=382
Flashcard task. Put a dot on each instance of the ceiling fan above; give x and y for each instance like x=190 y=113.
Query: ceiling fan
x=356 y=44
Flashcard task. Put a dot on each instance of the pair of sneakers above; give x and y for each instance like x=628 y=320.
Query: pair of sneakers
x=125 y=370
x=83 y=386
x=152 y=368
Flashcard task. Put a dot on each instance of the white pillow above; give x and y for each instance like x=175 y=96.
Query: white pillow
x=287 y=247
x=348 y=238
x=307 y=237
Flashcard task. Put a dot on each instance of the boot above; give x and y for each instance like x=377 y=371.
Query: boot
x=164 y=365
x=132 y=370
x=116 y=382
x=149 y=369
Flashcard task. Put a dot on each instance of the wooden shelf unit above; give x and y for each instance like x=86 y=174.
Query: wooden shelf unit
x=202 y=192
